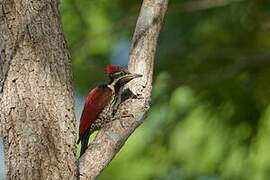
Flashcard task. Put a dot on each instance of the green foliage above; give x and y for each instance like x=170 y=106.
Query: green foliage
x=210 y=113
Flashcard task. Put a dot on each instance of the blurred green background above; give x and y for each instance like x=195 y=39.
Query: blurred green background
x=210 y=113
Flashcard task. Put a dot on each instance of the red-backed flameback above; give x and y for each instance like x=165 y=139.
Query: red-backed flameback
x=100 y=103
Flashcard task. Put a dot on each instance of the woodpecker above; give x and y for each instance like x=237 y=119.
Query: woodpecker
x=100 y=103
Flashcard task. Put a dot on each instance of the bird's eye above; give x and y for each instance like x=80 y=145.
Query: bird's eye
x=117 y=74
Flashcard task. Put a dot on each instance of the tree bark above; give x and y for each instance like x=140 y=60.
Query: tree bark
x=36 y=95
x=110 y=139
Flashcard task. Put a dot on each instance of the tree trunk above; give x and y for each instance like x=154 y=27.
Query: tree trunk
x=36 y=95
x=36 y=100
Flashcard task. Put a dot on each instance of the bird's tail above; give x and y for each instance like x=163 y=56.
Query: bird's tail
x=84 y=143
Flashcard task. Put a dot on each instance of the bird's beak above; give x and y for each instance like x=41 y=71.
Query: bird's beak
x=133 y=76
x=128 y=77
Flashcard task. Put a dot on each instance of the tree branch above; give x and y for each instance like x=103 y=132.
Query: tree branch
x=109 y=140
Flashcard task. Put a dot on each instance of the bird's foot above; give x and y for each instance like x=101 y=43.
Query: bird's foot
x=138 y=96
x=122 y=116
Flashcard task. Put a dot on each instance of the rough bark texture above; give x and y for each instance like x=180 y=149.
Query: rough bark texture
x=109 y=140
x=36 y=100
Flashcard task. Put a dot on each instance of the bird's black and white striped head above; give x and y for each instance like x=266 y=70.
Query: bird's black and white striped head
x=118 y=76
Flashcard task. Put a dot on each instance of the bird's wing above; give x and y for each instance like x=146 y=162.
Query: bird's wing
x=95 y=102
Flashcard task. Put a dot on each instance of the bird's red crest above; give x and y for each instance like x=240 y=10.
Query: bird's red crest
x=110 y=69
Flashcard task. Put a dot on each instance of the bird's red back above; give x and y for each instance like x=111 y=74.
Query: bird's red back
x=95 y=102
